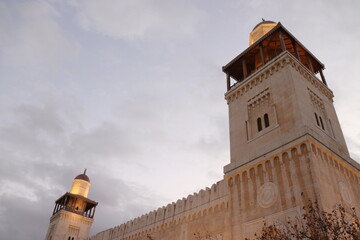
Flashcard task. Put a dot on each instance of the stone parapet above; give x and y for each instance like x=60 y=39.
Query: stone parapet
x=182 y=211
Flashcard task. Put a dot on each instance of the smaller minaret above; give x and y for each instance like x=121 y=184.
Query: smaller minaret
x=73 y=212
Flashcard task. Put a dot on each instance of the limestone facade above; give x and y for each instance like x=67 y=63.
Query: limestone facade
x=286 y=147
x=67 y=225
x=73 y=213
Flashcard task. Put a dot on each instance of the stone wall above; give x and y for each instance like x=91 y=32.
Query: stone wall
x=174 y=215
x=268 y=190
x=273 y=171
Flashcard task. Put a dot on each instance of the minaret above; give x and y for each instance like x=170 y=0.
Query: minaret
x=286 y=143
x=277 y=97
x=73 y=212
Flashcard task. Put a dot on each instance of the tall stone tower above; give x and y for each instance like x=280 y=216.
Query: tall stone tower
x=286 y=148
x=286 y=143
x=73 y=212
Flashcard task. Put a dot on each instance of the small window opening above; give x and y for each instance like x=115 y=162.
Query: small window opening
x=247 y=130
x=317 y=119
x=321 y=122
x=266 y=120
x=332 y=130
x=69 y=238
x=259 y=125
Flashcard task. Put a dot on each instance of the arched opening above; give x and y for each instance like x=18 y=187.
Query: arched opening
x=322 y=124
x=259 y=125
x=317 y=119
x=266 y=120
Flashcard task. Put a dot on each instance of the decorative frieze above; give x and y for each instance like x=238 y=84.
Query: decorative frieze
x=263 y=96
x=270 y=68
x=316 y=100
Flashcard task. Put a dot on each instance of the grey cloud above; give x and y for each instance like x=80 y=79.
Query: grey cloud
x=107 y=140
x=40 y=155
x=133 y=19
x=138 y=111
x=31 y=36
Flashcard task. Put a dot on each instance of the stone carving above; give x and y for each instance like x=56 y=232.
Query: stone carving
x=267 y=195
x=345 y=193
x=275 y=65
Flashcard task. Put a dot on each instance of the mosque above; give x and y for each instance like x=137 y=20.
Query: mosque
x=286 y=148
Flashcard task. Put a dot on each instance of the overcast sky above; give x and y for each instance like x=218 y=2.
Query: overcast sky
x=133 y=91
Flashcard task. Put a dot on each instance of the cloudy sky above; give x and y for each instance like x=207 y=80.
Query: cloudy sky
x=133 y=91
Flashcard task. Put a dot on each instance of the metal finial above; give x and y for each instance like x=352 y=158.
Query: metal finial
x=85 y=171
x=263 y=19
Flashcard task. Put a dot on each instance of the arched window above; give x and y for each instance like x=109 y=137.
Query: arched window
x=321 y=122
x=266 y=120
x=69 y=238
x=317 y=119
x=259 y=125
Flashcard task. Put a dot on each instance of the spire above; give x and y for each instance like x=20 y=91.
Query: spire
x=85 y=171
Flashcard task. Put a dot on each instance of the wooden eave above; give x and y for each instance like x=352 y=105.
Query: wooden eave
x=234 y=66
x=78 y=197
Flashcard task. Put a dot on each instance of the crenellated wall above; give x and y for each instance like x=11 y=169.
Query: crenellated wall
x=275 y=169
x=268 y=190
x=277 y=187
x=185 y=210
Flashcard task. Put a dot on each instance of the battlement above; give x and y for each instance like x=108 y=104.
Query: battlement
x=183 y=210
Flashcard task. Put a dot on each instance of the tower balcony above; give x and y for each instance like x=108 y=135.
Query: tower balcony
x=265 y=49
x=76 y=204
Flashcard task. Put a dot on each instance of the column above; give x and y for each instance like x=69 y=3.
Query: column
x=281 y=37
x=295 y=49
x=93 y=213
x=262 y=54
x=54 y=209
x=244 y=68
x=311 y=68
x=228 y=81
x=322 y=76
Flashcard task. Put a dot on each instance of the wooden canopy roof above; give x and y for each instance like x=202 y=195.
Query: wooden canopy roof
x=270 y=45
x=87 y=200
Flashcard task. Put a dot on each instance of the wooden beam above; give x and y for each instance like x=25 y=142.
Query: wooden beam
x=262 y=54
x=55 y=209
x=283 y=47
x=244 y=68
x=295 y=49
x=93 y=212
x=311 y=68
x=228 y=86
x=322 y=76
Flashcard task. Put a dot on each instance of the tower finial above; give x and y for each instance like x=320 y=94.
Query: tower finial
x=85 y=171
x=263 y=19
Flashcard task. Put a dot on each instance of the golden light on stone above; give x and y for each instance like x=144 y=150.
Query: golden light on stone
x=260 y=30
x=280 y=158
x=80 y=187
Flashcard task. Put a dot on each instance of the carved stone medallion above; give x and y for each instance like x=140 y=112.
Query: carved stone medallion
x=267 y=195
x=345 y=193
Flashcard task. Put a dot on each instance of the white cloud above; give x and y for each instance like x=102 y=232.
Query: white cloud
x=135 y=18
x=31 y=35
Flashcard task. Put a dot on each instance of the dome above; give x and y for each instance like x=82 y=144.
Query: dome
x=83 y=176
x=260 y=30
x=81 y=185
x=264 y=22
